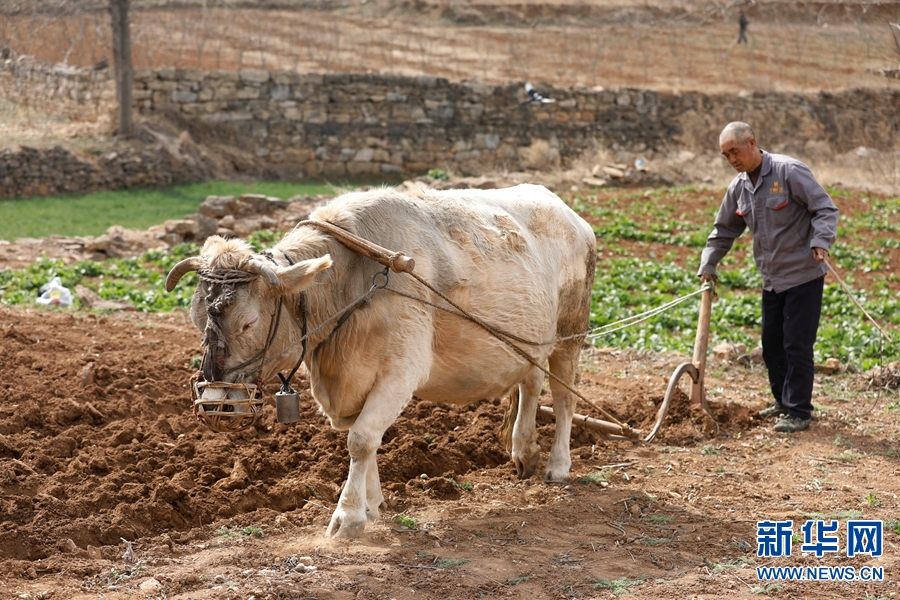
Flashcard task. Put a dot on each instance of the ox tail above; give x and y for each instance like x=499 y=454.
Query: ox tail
x=509 y=419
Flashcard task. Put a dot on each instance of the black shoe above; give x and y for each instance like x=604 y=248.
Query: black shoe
x=791 y=424
x=776 y=410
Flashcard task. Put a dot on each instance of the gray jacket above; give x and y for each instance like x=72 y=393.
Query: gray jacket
x=788 y=214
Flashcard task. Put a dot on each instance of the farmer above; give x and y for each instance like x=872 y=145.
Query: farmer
x=742 y=23
x=793 y=221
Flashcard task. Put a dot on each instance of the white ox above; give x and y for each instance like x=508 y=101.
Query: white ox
x=518 y=258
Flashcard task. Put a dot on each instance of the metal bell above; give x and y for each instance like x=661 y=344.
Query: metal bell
x=287 y=407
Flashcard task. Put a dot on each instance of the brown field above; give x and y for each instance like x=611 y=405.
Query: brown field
x=607 y=43
x=97 y=444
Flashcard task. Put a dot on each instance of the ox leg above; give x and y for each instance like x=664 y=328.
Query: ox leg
x=526 y=452
x=374 y=496
x=361 y=498
x=563 y=364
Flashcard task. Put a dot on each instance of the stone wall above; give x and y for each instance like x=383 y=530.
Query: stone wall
x=338 y=125
x=291 y=125
x=73 y=92
x=55 y=171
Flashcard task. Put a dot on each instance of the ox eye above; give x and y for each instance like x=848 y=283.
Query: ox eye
x=248 y=325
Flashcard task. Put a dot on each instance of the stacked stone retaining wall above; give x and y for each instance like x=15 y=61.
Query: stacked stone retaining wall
x=363 y=125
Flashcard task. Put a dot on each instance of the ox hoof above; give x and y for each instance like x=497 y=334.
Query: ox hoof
x=556 y=477
x=344 y=528
x=527 y=468
x=373 y=514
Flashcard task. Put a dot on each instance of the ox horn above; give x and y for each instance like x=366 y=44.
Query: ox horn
x=260 y=268
x=179 y=270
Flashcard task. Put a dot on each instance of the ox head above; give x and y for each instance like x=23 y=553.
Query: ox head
x=238 y=306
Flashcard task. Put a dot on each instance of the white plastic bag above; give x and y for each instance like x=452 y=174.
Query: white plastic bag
x=55 y=293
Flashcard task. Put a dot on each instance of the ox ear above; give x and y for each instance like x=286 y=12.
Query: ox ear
x=296 y=277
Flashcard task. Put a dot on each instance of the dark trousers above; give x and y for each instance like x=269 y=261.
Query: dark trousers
x=790 y=320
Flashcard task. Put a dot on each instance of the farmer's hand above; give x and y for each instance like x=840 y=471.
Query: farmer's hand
x=820 y=254
x=709 y=277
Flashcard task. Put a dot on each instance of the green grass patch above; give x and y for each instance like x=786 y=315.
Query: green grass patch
x=616 y=586
x=597 y=477
x=658 y=519
x=847 y=456
x=652 y=541
x=728 y=564
x=139 y=208
x=446 y=563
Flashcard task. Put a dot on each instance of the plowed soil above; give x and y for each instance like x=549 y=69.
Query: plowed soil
x=99 y=453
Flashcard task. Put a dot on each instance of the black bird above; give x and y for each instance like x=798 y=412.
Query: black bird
x=534 y=96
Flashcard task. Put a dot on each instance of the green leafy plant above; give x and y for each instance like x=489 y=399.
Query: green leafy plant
x=709 y=450
x=438 y=174
x=466 y=485
x=406 y=522
x=872 y=500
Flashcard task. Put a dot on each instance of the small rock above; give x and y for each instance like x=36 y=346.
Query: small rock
x=727 y=351
x=756 y=356
x=86 y=376
x=594 y=181
x=614 y=172
x=150 y=585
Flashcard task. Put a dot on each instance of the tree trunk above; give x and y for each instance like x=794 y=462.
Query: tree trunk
x=121 y=35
